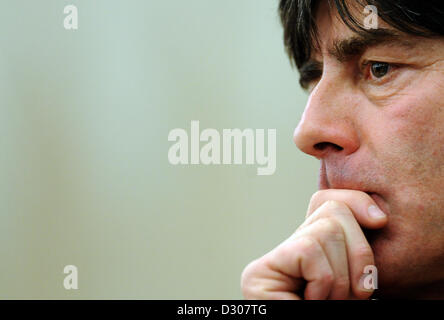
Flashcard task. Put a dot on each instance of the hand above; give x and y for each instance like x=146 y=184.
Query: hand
x=325 y=257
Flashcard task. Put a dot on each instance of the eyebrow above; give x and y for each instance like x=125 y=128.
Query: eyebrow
x=345 y=49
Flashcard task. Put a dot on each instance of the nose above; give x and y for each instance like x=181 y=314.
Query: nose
x=327 y=125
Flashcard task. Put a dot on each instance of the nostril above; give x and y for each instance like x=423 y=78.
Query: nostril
x=321 y=146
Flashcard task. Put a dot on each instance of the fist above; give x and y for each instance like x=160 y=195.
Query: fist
x=325 y=257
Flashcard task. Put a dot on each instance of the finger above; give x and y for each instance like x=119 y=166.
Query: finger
x=364 y=208
x=359 y=252
x=331 y=236
x=304 y=258
x=259 y=282
x=336 y=252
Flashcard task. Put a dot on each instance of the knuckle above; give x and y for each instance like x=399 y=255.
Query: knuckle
x=327 y=278
x=363 y=253
x=249 y=271
x=317 y=195
x=245 y=276
x=337 y=207
x=284 y=250
x=342 y=282
x=329 y=208
x=326 y=225
x=249 y=277
x=247 y=291
x=330 y=229
x=315 y=201
x=304 y=245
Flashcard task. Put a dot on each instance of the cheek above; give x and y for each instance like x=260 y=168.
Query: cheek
x=406 y=139
x=415 y=124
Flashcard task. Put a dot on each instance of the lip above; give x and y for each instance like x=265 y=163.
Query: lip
x=335 y=181
x=337 y=176
x=323 y=182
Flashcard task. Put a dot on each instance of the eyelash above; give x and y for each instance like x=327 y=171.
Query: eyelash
x=367 y=73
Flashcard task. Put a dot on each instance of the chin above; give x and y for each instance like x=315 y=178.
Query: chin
x=400 y=270
x=391 y=278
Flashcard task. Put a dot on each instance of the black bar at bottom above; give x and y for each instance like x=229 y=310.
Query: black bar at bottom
x=219 y=309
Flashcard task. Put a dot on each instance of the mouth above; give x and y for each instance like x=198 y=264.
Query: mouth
x=353 y=182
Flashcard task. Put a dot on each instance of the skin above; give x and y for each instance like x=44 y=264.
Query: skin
x=380 y=142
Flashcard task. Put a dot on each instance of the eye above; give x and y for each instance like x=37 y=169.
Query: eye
x=379 y=73
x=379 y=69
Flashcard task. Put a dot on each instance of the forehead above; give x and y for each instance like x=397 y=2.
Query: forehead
x=335 y=38
x=332 y=29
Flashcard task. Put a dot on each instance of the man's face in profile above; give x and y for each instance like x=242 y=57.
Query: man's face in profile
x=375 y=119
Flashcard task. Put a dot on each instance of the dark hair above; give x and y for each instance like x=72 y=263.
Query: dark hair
x=421 y=18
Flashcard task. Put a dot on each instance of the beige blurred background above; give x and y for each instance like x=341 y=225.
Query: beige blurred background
x=84 y=121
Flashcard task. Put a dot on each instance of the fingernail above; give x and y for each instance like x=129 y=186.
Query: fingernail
x=375 y=212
